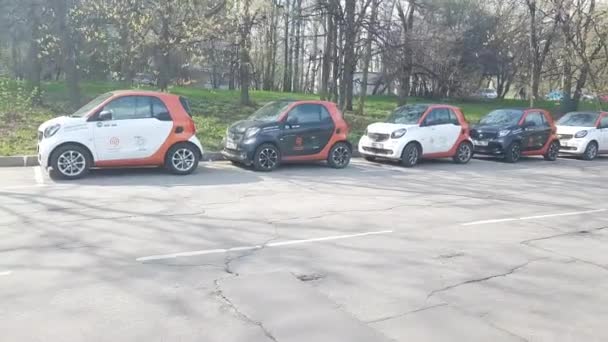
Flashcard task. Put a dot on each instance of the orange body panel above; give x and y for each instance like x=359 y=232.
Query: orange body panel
x=180 y=119
x=464 y=133
x=551 y=139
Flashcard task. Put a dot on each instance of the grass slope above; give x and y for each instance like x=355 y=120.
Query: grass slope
x=214 y=110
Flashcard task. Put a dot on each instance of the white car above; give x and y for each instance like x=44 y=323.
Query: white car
x=583 y=134
x=488 y=94
x=414 y=132
x=121 y=129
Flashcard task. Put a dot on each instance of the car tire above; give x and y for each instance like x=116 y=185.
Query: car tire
x=267 y=157
x=70 y=161
x=370 y=158
x=339 y=155
x=590 y=151
x=410 y=155
x=513 y=153
x=464 y=153
x=182 y=159
x=552 y=151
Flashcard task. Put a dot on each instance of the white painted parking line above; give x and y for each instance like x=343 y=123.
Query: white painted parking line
x=269 y=245
x=38 y=176
x=532 y=217
x=5 y=273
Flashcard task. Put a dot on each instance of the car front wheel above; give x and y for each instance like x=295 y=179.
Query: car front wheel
x=70 y=162
x=590 y=151
x=513 y=153
x=552 y=152
x=267 y=158
x=182 y=159
x=410 y=155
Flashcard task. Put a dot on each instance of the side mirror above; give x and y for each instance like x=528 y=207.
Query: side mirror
x=292 y=120
x=105 y=115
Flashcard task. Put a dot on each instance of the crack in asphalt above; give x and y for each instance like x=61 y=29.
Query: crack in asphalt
x=240 y=314
x=577 y=232
x=387 y=318
x=479 y=280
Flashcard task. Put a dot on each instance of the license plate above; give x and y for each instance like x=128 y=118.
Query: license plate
x=480 y=143
x=563 y=143
x=230 y=144
x=377 y=145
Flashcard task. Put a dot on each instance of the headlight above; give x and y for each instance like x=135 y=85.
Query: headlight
x=398 y=133
x=51 y=130
x=504 y=133
x=251 y=132
x=580 y=134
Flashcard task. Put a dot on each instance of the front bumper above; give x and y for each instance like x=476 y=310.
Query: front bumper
x=389 y=149
x=493 y=147
x=45 y=148
x=573 y=146
x=240 y=151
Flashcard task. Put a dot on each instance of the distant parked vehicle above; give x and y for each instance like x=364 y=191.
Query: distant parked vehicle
x=490 y=94
x=513 y=132
x=584 y=134
x=143 y=79
x=555 y=95
x=604 y=98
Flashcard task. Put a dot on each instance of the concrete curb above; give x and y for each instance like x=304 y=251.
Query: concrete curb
x=20 y=161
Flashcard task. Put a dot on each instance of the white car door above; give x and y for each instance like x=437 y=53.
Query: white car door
x=133 y=132
x=442 y=131
x=603 y=131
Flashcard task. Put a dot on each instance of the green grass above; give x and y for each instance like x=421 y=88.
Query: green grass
x=213 y=110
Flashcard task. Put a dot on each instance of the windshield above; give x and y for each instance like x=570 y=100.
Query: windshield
x=84 y=110
x=579 y=119
x=407 y=115
x=503 y=117
x=270 y=112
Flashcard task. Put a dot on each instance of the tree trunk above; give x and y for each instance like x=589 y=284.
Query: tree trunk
x=68 y=51
x=346 y=94
x=327 y=54
x=407 y=24
x=368 y=56
x=286 y=49
x=297 y=20
x=163 y=80
x=245 y=44
x=34 y=66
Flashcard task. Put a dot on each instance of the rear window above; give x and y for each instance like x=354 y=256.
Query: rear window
x=186 y=104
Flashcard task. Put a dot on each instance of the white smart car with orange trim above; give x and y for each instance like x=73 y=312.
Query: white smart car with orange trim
x=419 y=131
x=121 y=129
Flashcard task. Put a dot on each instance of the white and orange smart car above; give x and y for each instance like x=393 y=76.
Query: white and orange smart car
x=121 y=129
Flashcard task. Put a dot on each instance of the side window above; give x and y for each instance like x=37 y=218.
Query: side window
x=306 y=113
x=536 y=118
x=454 y=118
x=122 y=108
x=604 y=122
x=325 y=116
x=159 y=110
x=142 y=109
x=439 y=116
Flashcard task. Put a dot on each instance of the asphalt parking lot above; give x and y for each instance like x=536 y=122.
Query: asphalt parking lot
x=481 y=252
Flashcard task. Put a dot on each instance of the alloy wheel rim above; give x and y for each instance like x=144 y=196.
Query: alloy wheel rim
x=183 y=159
x=464 y=153
x=341 y=156
x=413 y=156
x=554 y=150
x=268 y=158
x=71 y=163
x=592 y=151
x=516 y=152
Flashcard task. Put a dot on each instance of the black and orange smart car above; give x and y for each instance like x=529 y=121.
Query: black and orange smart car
x=289 y=131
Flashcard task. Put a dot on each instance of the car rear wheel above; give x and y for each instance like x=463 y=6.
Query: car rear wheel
x=464 y=153
x=267 y=158
x=339 y=156
x=182 y=159
x=552 y=152
x=410 y=155
x=590 y=151
x=70 y=162
x=513 y=153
